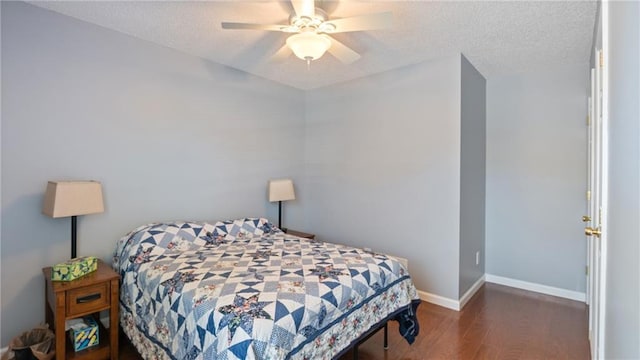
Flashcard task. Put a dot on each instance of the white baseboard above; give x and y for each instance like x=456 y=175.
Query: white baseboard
x=456 y=305
x=472 y=290
x=539 y=288
x=439 y=300
x=518 y=284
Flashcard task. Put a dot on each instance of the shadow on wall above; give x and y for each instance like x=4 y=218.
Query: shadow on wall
x=30 y=241
x=25 y=230
x=19 y=298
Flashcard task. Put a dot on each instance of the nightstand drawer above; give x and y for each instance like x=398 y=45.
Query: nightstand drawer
x=88 y=299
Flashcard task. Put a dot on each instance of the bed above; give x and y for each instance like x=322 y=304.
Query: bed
x=243 y=289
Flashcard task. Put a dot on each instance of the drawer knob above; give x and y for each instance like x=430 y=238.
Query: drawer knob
x=88 y=298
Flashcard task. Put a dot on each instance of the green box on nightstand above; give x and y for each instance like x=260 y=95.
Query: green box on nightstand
x=74 y=268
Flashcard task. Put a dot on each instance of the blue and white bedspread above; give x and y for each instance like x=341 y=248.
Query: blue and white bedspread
x=243 y=289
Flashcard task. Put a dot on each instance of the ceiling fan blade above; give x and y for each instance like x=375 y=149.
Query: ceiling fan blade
x=245 y=26
x=364 y=22
x=282 y=54
x=304 y=7
x=341 y=51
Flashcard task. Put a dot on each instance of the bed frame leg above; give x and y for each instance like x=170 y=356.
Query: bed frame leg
x=386 y=341
x=355 y=352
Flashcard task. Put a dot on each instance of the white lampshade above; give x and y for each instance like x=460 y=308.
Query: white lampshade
x=308 y=45
x=281 y=190
x=72 y=198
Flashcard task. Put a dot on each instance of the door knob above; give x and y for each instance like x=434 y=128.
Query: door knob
x=586 y=218
x=589 y=231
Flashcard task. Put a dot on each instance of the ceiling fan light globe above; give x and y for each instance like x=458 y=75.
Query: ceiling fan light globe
x=308 y=45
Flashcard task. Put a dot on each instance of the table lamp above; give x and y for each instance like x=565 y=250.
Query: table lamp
x=72 y=198
x=281 y=190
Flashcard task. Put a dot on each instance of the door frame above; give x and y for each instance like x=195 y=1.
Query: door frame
x=604 y=223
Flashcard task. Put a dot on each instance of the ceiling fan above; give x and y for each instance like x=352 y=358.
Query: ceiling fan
x=310 y=27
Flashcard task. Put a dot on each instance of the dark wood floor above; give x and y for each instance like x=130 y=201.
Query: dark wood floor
x=498 y=323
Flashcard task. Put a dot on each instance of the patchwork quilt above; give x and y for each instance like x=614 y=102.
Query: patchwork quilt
x=243 y=289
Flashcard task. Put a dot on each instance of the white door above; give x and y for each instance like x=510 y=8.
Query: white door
x=595 y=222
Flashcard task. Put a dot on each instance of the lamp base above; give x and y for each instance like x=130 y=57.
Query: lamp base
x=74 y=227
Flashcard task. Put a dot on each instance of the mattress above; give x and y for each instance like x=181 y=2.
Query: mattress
x=243 y=289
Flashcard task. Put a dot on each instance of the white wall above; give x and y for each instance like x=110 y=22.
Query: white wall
x=472 y=175
x=622 y=326
x=170 y=136
x=536 y=177
x=383 y=167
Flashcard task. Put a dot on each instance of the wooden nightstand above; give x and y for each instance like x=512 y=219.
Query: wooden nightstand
x=299 y=234
x=88 y=295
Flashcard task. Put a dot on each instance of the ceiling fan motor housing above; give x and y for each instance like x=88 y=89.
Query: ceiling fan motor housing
x=316 y=22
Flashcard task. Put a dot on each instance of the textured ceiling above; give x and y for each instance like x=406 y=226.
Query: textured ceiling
x=497 y=37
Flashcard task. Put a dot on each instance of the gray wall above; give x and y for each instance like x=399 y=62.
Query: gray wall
x=622 y=328
x=170 y=136
x=383 y=153
x=472 y=175
x=173 y=136
x=536 y=176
